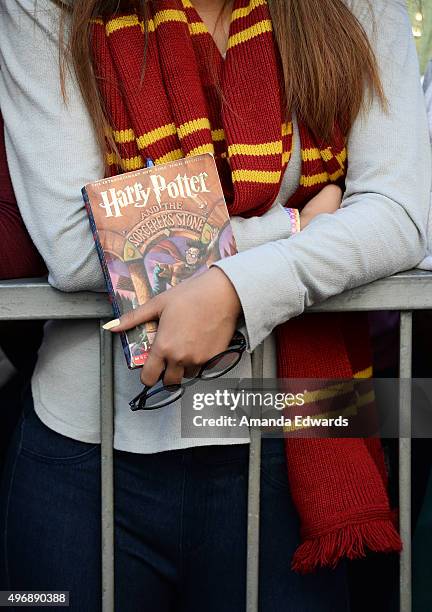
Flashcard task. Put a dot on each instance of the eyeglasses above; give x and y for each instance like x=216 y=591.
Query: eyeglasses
x=159 y=395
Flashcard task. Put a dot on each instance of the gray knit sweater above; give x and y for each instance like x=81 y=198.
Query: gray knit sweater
x=52 y=152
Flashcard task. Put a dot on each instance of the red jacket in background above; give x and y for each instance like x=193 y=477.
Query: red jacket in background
x=18 y=255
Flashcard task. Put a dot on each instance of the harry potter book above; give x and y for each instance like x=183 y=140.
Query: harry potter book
x=154 y=228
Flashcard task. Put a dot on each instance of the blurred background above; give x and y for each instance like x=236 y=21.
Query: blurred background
x=421 y=19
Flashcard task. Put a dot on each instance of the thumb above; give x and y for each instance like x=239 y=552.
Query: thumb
x=150 y=311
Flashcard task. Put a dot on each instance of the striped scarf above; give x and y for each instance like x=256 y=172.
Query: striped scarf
x=191 y=101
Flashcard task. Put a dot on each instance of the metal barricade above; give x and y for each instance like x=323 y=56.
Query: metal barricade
x=405 y=292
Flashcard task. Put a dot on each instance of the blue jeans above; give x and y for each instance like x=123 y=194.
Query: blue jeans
x=180 y=527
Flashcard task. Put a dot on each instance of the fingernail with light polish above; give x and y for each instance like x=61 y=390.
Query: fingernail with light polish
x=111 y=324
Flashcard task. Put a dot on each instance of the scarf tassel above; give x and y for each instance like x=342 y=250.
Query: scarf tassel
x=351 y=541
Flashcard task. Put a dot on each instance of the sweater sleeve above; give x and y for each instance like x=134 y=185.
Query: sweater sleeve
x=275 y=224
x=51 y=147
x=18 y=256
x=381 y=226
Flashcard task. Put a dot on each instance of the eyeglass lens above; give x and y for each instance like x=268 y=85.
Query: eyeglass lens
x=162 y=396
x=220 y=364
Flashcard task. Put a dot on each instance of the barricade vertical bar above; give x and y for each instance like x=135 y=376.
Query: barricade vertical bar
x=252 y=569
x=107 y=470
x=405 y=372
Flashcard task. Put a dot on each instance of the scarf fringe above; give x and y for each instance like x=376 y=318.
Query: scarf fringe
x=351 y=541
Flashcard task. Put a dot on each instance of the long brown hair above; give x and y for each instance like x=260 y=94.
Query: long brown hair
x=330 y=70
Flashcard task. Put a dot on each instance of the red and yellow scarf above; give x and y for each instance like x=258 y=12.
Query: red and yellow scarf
x=190 y=101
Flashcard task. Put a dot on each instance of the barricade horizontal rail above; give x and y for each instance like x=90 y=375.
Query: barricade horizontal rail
x=404 y=292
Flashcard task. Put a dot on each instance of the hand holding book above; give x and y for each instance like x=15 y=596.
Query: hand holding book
x=208 y=308
x=196 y=320
x=160 y=229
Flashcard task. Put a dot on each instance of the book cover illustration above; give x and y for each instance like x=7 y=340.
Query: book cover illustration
x=154 y=228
